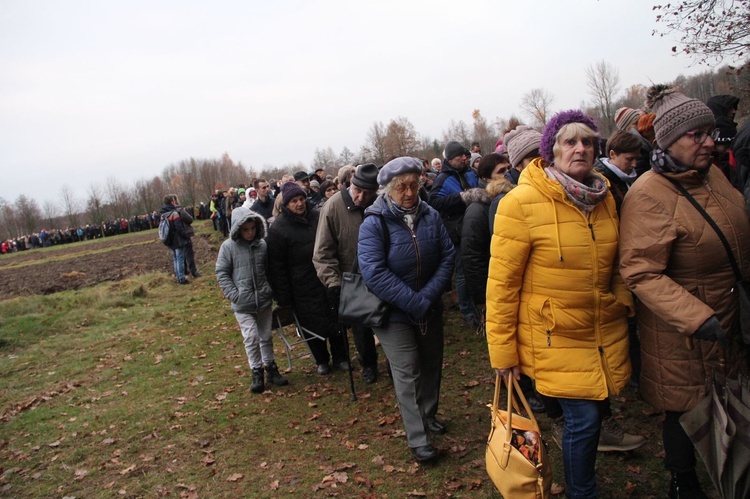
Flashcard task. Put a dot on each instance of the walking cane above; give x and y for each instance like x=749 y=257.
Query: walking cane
x=349 y=360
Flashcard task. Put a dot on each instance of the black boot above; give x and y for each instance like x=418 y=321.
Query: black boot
x=258 y=382
x=274 y=376
x=685 y=486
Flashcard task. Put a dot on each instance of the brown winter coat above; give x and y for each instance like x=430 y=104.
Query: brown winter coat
x=336 y=238
x=674 y=262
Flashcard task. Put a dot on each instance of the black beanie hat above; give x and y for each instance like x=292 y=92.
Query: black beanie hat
x=453 y=149
x=366 y=177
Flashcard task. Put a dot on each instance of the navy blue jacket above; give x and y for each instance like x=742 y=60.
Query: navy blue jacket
x=417 y=267
x=445 y=197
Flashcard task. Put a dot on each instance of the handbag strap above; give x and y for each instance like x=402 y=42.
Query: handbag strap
x=722 y=237
x=386 y=244
x=513 y=387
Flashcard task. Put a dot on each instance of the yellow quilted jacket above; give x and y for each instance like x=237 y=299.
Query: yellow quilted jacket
x=556 y=304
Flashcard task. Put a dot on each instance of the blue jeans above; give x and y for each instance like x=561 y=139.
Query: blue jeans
x=178 y=255
x=580 y=438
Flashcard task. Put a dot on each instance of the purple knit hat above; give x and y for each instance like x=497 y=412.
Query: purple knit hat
x=549 y=135
x=289 y=191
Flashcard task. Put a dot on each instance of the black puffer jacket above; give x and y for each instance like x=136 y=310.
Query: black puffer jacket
x=291 y=240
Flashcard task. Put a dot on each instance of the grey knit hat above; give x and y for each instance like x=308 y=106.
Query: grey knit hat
x=520 y=142
x=676 y=114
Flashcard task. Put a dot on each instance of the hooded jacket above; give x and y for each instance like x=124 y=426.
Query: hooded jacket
x=556 y=305
x=241 y=265
x=617 y=185
x=414 y=271
x=678 y=268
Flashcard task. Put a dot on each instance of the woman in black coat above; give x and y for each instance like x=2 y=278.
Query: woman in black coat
x=291 y=239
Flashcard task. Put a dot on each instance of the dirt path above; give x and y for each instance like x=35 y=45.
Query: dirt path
x=78 y=265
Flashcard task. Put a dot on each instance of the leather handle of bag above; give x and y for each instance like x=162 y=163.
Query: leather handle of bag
x=722 y=237
x=513 y=387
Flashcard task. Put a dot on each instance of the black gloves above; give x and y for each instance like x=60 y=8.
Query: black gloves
x=334 y=297
x=711 y=330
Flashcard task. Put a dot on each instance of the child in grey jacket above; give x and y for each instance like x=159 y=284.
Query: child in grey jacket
x=241 y=272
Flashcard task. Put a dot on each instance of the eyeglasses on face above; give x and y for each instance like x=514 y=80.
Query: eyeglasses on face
x=700 y=136
x=401 y=188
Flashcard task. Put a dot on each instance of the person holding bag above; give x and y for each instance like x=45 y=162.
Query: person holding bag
x=556 y=305
x=676 y=263
x=410 y=274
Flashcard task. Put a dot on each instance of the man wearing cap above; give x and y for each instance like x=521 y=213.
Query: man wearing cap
x=336 y=248
x=453 y=190
x=302 y=179
x=291 y=241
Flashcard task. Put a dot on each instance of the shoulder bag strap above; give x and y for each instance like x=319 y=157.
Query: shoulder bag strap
x=732 y=260
x=386 y=244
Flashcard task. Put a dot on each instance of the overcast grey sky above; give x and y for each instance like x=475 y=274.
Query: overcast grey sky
x=94 y=89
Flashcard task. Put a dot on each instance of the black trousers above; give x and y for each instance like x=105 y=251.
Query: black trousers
x=364 y=341
x=679 y=452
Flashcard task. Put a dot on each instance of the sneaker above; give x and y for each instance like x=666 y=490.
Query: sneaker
x=258 y=385
x=557 y=431
x=612 y=438
x=274 y=376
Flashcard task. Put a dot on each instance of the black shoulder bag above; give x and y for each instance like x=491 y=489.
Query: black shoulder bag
x=741 y=286
x=359 y=305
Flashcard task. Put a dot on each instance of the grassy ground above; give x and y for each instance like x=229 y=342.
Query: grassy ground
x=140 y=388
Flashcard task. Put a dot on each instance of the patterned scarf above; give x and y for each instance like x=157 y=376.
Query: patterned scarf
x=407 y=214
x=584 y=195
x=662 y=162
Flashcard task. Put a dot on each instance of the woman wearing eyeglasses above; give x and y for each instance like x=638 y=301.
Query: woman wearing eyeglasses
x=676 y=264
x=409 y=267
x=327 y=190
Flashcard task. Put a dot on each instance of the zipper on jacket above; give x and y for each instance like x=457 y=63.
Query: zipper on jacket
x=549 y=338
x=591 y=228
x=419 y=258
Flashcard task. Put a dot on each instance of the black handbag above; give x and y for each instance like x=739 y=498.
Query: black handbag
x=358 y=305
x=741 y=286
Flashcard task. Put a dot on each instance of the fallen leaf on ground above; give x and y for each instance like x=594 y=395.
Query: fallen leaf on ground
x=235 y=477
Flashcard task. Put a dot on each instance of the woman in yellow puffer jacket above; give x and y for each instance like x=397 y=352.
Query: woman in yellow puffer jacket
x=556 y=304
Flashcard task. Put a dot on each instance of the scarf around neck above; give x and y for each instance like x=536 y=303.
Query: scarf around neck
x=585 y=196
x=407 y=214
x=662 y=162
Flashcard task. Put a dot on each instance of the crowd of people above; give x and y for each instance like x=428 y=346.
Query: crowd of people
x=583 y=259
x=53 y=237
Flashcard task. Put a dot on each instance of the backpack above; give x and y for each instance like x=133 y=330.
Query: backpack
x=167 y=227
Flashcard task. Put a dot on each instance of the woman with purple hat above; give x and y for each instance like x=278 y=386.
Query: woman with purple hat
x=556 y=306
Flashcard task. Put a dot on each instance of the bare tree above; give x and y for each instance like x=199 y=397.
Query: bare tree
x=483 y=132
x=95 y=204
x=709 y=30
x=49 y=208
x=374 y=150
x=458 y=131
x=28 y=214
x=69 y=205
x=9 y=225
x=401 y=138
x=537 y=104
x=325 y=159
x=603 y=81
x=346 y=157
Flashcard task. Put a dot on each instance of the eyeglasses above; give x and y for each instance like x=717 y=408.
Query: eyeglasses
x=699 y=136
x=400 y=188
